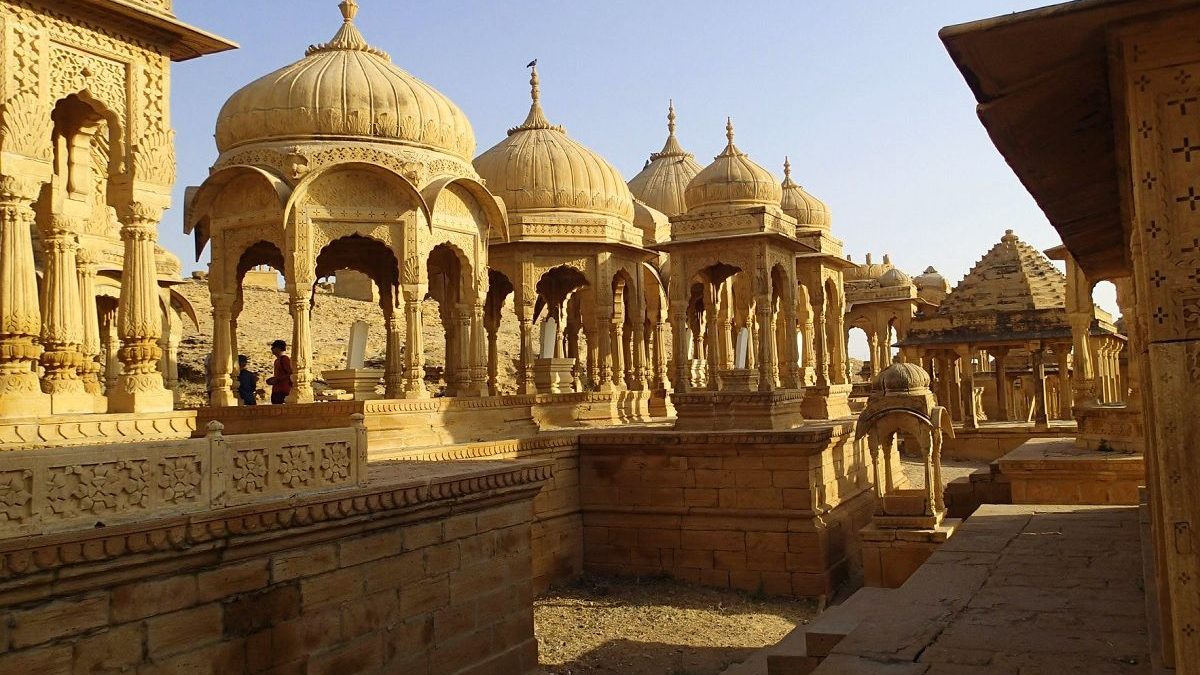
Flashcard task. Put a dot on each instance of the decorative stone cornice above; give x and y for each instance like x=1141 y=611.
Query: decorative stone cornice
x=254 y=525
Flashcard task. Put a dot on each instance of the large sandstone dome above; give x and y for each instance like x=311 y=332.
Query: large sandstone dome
x=662 y=182
x=343 y=89
x=538 y=169
x=800 y=204
x=732 y=180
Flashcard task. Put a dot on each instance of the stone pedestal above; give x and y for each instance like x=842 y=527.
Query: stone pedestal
x=828 y=402
x=359 y=383
x=554 y=376
x=718 y=410
x=739 y=379
x=891 y=555
x=1118 y=428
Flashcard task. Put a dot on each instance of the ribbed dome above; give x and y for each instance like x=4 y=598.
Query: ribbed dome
x=539 y=168
x=344 y=88
x=894 y=278
x=901 y=378
x=732 y=180
x=799 y=204
x=661 y=183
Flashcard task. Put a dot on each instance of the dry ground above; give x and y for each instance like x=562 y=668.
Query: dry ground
x=604 y=626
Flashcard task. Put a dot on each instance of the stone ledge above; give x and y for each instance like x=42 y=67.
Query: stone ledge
x=71 y=430
x=394 y=490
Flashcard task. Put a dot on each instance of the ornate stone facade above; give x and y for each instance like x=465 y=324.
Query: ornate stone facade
x=87 y=162
x=394 y=197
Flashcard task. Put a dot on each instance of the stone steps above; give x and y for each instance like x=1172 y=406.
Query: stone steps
x=803 y=649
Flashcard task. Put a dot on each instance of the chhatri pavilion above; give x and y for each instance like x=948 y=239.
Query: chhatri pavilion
x=683 y=403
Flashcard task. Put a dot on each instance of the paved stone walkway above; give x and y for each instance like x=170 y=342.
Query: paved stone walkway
x=1020 y=590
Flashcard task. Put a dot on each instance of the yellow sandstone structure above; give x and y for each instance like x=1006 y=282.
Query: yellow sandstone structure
x=683 y=390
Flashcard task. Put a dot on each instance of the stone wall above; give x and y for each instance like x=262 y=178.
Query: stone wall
x=771 y=512
x=557 y=531
x=427 y=570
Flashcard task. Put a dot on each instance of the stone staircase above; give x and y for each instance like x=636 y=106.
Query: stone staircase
x=802 y=650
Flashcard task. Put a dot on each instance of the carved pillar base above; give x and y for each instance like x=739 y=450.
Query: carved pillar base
x=826 y=403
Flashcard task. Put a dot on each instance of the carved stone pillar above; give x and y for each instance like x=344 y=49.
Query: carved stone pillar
x=20 y=317
x=220 y=362
x=112 y=345
x=62 y=324
x=766 y=346
x=393 y=362
x=141 y=387
x=301 y=309
x=89 y=346
x=873 y=348
x=1061 y=353
x=1083 y=375
x=493 y=360
x=1001 y=354
x=414 y=354
x=662 y=379
x=679 y=344
x=462 y=376
x=479 y=353
x=618 y=354
x=968 y=389
x=821 y=348
x=637 y=346
x=1040 y=419
x=1126 y=300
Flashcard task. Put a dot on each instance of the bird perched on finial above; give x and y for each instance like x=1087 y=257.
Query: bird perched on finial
x=531 y=64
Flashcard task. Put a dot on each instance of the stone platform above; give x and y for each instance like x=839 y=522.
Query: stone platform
x=721 y=410
x=1017 y=590
x=992 y=440
x=1058 y=471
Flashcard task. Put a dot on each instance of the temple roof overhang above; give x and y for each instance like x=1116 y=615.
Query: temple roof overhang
x=1042 y=81
x=183 y=41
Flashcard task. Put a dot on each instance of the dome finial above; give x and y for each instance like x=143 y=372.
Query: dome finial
x=535 y=90
x=729 y=130
x=347 y=38
x=787 y=167
x=671 y=116
x=537 y=117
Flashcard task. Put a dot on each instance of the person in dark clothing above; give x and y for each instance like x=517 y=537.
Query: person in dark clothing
x=247 y=381
x=281 y=378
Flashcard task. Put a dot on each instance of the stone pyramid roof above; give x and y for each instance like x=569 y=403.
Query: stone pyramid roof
x=1012 y=276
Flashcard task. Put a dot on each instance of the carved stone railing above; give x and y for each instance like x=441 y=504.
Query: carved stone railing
x=57 y=489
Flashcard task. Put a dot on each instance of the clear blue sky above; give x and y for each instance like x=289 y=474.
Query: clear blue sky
x=876 y=119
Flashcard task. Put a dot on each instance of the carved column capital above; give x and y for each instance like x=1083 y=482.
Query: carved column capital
x=19 y=189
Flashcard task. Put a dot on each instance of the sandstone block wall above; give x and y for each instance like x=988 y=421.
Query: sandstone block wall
x=434 y=578
x=776 y=512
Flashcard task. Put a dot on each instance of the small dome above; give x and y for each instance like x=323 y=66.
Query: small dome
x=344 y=88
x=932 y=286
x=539 y=168
x=732 y=180
x=894 y=278
x=661 y=183
x=799 y=204
x=900 y=378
